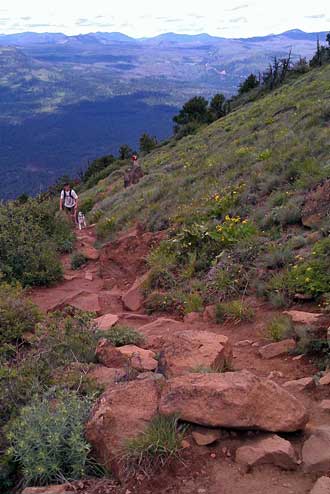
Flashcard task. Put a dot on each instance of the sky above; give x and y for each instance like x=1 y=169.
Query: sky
x=144 y=18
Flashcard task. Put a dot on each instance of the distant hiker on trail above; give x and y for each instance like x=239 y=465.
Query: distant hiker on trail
x=69 y=201
x=134 y=173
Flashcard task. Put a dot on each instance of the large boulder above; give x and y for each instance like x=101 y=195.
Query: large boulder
x=277 y=349
x=322 y=486
x=90 y=252
x=272 y=450
x=316 y=451
x=189 y=351
x=233 y=399
x=120 y=414
x=134 y=297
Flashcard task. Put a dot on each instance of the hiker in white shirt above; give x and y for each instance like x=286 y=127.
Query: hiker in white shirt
x=69 y=201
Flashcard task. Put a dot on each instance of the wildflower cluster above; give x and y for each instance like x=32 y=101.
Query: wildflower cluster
x=222 y=203
x=232 y=229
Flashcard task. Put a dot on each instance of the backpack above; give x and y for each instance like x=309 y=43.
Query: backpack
x=64 y=193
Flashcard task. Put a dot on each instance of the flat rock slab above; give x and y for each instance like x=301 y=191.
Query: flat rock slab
x=89 y=252
x=120 y=414
x=316 y=451
x=191 y=351
x=299 y=385
x=272 y=450
x=87 y=302
x=234 y=400
x=325 y=379
x=301 y=317
x=106 y=322
x=277 y=349
x=322 y=486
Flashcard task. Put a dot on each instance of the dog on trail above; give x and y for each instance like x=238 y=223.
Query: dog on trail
x=81 y=220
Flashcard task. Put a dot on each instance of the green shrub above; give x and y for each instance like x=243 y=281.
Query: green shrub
x=278 y=256
x=193 y=303
x=279 y=328
x=278 y=299
x=17 y=314
x=235 y=311
x=47 y=439
x=203 y=369
x=86 y=205
x=105 y=227
x=29 y=236
x=77 y=260
x=122 y=335
x=171 y=302
x=159 y=443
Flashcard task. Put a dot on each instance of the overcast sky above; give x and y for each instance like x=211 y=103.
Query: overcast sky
x=139 y=18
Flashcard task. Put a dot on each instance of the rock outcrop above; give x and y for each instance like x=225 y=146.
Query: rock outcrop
x=316 y=451
x=277 y=349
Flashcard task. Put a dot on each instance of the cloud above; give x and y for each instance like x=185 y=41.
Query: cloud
x=239 y=7
x=26 y=18
x=316 y=16
x=238 y=19
x=40 y=25
x=173 y=20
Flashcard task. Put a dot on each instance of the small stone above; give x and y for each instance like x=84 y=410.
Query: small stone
x=204 y=438
x=213 y=455
x=243 y=343
x=325 y=379
x=89 y=276
x=298 y=357
x=256 y=344
x=299 y=385
x=277 y=349
x=301 y=317
x=272 y=450
x=275 y=374
x=185 y=444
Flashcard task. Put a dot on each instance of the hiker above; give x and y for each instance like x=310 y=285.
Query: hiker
x=69 y=201
x=134 y=173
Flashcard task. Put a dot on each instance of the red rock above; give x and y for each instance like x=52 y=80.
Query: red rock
x=90 y=253
x=86 y=301
x=193 y=317
x=233 y=400
x=204 y=437
x=277 y=349
x=301 y=317
x=299 y=385
x=106 y=376
x=106 y=322
x=271 y=450
x=162 y=327
x=209 y=314
x=325 y=379
x=120 y=414
x=186 y=351
x=50 y=489
x=89 y=276
x=325 y=406
x=322 y=486
x=109 y=355
x=134 y=297
x=140 y=359
x=316 y=451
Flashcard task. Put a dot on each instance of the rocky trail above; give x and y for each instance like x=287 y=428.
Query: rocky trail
x=263 y=427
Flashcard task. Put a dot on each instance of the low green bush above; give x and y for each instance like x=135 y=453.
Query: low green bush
x=17 y=314
x=170 y=302
x=279 y=328
x=235 y=311
x=159 y=443
x=193 y=303
x=122 y=335
x=47 y=439
x=77 y=260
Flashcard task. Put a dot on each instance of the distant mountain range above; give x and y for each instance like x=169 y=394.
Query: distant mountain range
x=65 y=100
